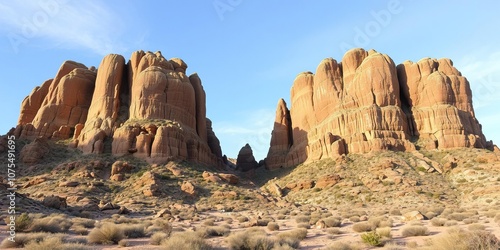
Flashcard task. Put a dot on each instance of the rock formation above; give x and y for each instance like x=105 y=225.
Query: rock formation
x=246 y=161
x=365 y=103
x=147 y=107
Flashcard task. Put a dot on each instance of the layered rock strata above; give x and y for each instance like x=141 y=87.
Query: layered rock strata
x=367 y=103
x=147 y=107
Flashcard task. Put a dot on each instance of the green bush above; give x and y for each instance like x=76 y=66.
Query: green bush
x=371 y=238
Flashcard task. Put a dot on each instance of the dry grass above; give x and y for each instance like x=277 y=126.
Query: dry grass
x=107 y=234
x=215 y=231
x=186 y=241
x=476 y=226
x=273 y=226
x=299 y=233
x=51 y=224
x=363 y=227
x=342 y=246
x=303 y=219
x=23 y=239
x=332 y=222
x=258 y=239
x=460 y=239
x=157 y=238
x=384 y=232
x=133 y=230
x=438 y=222
x=410 y=231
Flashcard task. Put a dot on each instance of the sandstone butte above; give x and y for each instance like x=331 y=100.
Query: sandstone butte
x=366 y=103
x=147 y=107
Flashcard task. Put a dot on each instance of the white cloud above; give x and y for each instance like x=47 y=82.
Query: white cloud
x=483 y=72
x=62 y=23
x=252 y=127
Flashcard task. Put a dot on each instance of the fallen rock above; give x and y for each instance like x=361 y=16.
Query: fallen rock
x=230 y=178
x=69 y=184
x=120 y=167
x=35 y=181
x=275 y=189
x=327 y=181
x=413 y=215
x=108 y=206
x=188 y=188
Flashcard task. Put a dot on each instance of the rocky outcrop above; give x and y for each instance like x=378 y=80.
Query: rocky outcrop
x=246 y=161
x=147 y=107
x=365 y=103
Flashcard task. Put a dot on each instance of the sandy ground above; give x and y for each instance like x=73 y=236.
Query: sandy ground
x=316 y=238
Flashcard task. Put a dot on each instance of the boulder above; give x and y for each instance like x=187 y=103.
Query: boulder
x=35 y=151
x=413 y=215
x=230 y=178
x=188 y=188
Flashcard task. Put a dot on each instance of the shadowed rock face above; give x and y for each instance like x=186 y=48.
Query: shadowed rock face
x=148 y=107
x=367 y=103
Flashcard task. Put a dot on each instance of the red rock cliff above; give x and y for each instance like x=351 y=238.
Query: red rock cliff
x=147 y=107
x=365 y=103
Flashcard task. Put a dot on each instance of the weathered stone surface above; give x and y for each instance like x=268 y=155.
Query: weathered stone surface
x=230 y=178
x=35 y=151
x=366 y=103
x=413 y=215
x=148 y=107
x=66 y=102
x=105 y=106
x=327 y=181
x=188 y=188
x=246 y=160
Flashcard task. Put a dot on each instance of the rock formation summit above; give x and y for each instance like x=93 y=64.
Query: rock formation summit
x=367 y=103
x=147 y=107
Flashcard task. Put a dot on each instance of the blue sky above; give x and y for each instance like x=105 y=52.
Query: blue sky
x=247 y=53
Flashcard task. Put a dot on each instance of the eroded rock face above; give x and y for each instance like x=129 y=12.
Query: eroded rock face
x=366 y=103
x=246 y=161
x=147 y=107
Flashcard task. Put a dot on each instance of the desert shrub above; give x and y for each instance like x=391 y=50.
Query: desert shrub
x=273 y=226
x=299 y=233
x=304 y=225
x=133 y=230
x=49 y=243
x=80 y=230
x=186 y=241
x=23 y=239
x=334 y=231
x=409 y=231
x=476 y=226
x=371 y=238
x=263 y=222
x=23 y=222
x=281 y=217
x=242 y=219
x=385 y=223
x=470 y=221
x=157 y=238
x=332 y=222
x=354 y=218
x=108 y=233
x=303 y=219
x=384 y=232
x=209 y=222
x=341 y=246
x=460 y=239
x=458 y=216
x=206 y=232
x=430 y=215
x=123 y=243
x=83 y=222
x=363 y=227
x=258 y=239
x=51 y=224
x=450 y=223
x=438 y=222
